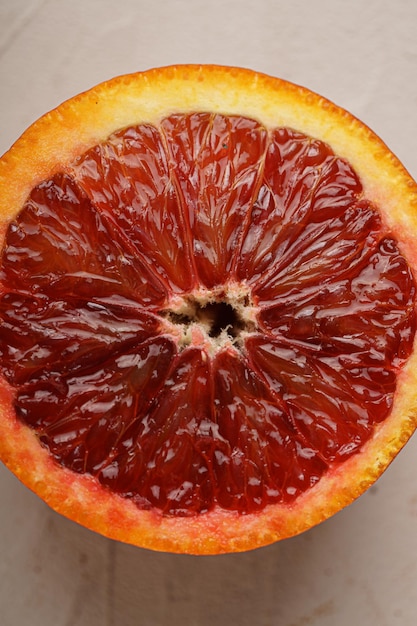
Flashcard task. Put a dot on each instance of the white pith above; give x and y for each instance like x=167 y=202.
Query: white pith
x=195 y=331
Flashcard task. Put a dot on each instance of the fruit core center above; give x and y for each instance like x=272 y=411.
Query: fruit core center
x=210 y=321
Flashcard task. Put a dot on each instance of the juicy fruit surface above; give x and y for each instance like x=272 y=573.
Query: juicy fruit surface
x=111 y=266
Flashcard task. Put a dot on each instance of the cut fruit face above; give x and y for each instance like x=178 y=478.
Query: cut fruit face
x=207 y=307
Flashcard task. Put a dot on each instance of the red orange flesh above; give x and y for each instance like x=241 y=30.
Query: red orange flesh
x=208 y=309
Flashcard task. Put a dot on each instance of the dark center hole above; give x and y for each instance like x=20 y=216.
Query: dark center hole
x=215 y=317
x=220 y=316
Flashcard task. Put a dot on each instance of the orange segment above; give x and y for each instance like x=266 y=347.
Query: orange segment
x=129 y=183
x=208 y=311
x=267 y=460
x=173 y=437
x=64 y=336
x=333 y=401
x=303 y=182
x=216 y=161
x=83 y=418
x=60 y=246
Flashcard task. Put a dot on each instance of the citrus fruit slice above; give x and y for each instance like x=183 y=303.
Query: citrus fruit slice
x=207 y=309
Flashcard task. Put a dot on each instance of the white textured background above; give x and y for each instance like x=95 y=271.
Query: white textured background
x=360 y=567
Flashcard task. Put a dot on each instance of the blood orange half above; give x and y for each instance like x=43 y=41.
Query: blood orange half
x=207 y=309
